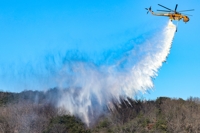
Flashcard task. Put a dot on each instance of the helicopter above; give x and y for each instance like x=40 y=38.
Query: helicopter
x=172 y=14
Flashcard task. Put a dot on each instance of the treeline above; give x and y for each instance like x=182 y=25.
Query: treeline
x=34 y=112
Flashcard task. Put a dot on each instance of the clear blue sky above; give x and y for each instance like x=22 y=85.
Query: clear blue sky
x=31 y=29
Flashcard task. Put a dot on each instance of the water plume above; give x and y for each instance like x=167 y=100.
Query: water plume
x=92 y=87
x=86 y=88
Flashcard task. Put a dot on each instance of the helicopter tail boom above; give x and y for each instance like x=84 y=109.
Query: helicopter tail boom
x=156 y=14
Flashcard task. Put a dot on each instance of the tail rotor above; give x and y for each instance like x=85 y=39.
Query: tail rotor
x=148 y=9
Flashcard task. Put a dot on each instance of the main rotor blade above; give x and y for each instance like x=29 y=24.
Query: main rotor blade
x=186 y=10
x=146 y=8
x=163 y=10
x=176 y=7
x=187 y=14
x=165 y=7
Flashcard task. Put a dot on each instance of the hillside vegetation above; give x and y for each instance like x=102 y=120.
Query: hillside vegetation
x=31 y=112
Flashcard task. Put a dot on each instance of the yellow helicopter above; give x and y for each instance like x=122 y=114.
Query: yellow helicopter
x=172 y=14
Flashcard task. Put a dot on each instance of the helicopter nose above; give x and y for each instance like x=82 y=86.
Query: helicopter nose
x=186 y=19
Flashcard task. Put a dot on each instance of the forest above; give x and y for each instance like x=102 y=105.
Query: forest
x=34 y=112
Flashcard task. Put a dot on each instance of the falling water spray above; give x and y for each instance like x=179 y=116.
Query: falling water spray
x=91 y=88
x=87 y=88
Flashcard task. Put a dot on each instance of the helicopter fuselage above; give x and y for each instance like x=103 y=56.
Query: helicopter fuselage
x=173 y=16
